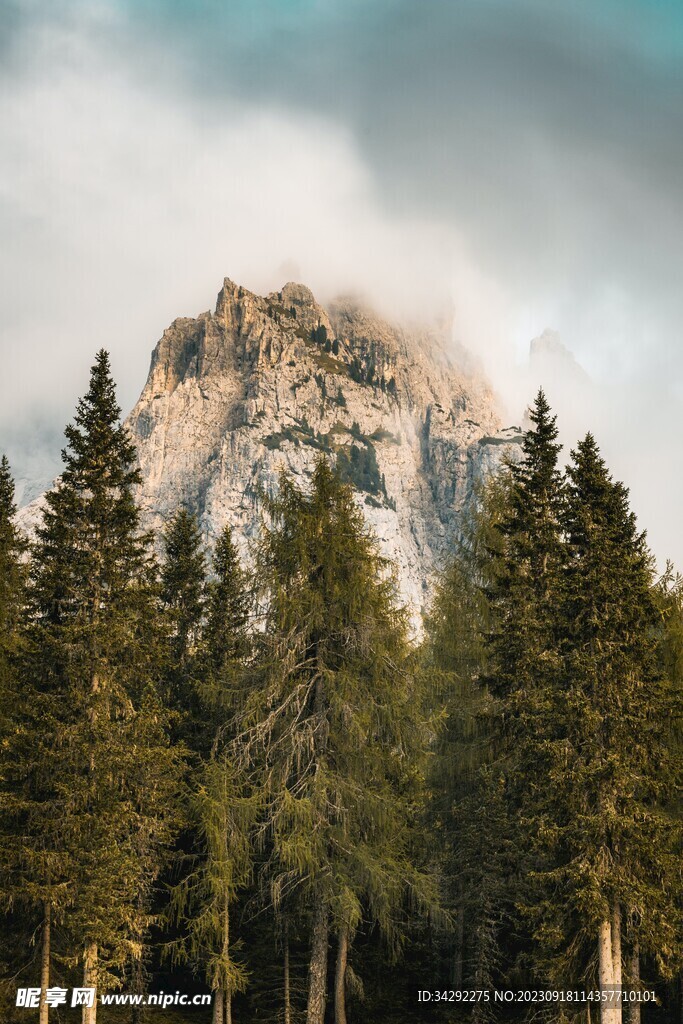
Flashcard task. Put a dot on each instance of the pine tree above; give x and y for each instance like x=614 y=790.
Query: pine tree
x=468 y=813
x=332 y=729
x=576 y=680
x=95 y=767
x=668 y=596
x=226 y=641
x=219 y=813
x=523 y=591
x=203 y=902
x=494 y=638
x=183 y=581
x=13 y=571
x=13 y=599
x=603 y=824
x=522 y=584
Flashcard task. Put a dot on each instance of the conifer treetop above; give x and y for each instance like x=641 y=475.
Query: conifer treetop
x=99 y=451
x=7 y=505
x=598 y=496
x=540 y=446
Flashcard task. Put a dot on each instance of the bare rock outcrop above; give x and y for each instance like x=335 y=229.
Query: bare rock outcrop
x=265 y=383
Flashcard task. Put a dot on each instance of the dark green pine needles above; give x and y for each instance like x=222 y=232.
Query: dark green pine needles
x=557 y=764
x=94 y=809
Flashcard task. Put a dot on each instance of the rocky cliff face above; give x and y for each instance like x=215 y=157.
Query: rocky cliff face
x=270 y=382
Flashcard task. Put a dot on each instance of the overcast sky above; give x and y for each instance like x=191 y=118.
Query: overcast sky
x=519 y=161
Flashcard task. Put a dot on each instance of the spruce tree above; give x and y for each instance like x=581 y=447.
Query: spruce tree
x=522 y=584
x=226 y=640
x=525 y=574
x=95 y=767
x=16 y=928
x=605 y=833
x=13 y=572
x=468 y=813
x=669 y=599
x=183 y=580
x=493 y=637
x=332 y=729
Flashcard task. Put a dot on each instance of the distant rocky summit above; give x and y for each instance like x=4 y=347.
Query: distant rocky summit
x=269 y=382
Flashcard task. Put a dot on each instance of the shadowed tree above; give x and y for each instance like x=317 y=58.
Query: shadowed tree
x=219 y=814
x=183 y=582
x=332 y=731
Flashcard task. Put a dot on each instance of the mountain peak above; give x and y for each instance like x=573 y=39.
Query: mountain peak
x=270 y=382
x=296 y=294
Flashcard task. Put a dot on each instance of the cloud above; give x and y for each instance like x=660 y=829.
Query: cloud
x=521 y=160
x=126 y=209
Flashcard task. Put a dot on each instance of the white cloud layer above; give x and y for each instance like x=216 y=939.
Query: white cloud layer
x=125 y=197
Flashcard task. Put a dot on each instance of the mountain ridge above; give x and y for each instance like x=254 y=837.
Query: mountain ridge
x=266 y=383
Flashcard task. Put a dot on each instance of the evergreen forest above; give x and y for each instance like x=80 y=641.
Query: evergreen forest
x=245 y=778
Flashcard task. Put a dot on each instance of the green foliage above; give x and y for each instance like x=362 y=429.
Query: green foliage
x=301 y=433
x=88 y=800
x=605 y=829
x=202 y=902
x=13 y=573
x=183 y=579
x=319 y=336
x=356 y=370
x=357 y=465
x=16 y=933
x=364 y=373
x=226 y=644
x=555 y=782
x=468 y=808
x=384 y=435
x=331 y=732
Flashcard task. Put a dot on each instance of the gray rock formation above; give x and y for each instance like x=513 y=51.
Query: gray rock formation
x=266 y=383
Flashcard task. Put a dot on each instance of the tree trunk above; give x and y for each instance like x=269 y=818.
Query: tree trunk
x=227 y=1000
x=89 y=1013
x=459 y=943
x=45 y=965
x=288 y=1005
x=138 y=969
x=340 y=977
x=634 y=983
x=606 y=972
x=218 y=1006
x=90 y=981
x=317 y=972
x=616 y=961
